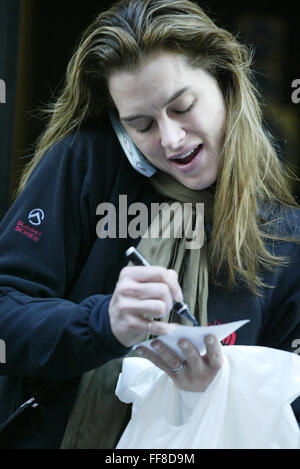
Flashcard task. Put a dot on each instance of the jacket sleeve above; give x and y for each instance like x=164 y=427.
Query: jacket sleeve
x=282 y=329
x=44 y=240
x=282 y=321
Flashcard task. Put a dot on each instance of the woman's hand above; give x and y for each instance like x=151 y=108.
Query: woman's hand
x=141 y=295
x=196 y=372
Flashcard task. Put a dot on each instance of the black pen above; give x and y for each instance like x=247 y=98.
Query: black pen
x=181 y=308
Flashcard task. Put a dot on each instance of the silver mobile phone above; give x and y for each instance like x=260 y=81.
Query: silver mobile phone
x=135 y=157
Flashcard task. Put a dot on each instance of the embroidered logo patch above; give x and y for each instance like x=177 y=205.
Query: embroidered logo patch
x=36 y=216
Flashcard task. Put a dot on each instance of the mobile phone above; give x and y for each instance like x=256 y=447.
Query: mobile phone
x=135 y=157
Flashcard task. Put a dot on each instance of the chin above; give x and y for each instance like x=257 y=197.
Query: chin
x=199 y=185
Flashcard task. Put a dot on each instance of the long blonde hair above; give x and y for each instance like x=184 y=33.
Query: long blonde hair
x=250 y=170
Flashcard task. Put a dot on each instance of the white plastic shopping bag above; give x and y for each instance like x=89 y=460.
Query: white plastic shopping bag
x=246 y=406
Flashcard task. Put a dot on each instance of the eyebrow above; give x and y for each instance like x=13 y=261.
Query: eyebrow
x=172 y=98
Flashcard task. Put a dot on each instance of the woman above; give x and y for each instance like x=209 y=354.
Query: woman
x=70 y=307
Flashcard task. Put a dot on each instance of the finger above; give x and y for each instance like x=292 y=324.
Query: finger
x=174 y=285
x=148 y=309
x=153 y=357
x=160 y=328
x=130 y=330
x=143 y=291
x=155 y=274
x=158 y=360
x=213 y=352
x=192 y=355
x=165 y=353
x=144 y=274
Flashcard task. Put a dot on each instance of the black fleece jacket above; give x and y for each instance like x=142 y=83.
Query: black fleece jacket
x=57 y=277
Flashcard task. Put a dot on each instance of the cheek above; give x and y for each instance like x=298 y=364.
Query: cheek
x=215 y=129
x=155 y=158
x=220 y=119
x=212 y=119
x=149 y=148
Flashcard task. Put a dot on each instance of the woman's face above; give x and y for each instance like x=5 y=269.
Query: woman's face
x=175 y=115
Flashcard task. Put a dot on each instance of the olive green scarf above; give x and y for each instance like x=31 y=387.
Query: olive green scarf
x=98 y=417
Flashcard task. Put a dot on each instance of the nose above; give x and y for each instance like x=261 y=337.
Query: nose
x=171 y=134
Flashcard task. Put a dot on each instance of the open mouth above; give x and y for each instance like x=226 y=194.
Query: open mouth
x=186 y=159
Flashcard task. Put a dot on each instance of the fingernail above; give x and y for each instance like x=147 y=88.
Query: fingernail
x=184 y=344
x=210 y=339
x=155 y=345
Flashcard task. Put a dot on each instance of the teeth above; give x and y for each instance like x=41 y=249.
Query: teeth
x=186 y=154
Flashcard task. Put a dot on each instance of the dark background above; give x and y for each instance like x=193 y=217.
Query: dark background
x=37 y=39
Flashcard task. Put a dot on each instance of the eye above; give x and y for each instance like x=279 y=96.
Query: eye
x=185 y=111
x=146 y=129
